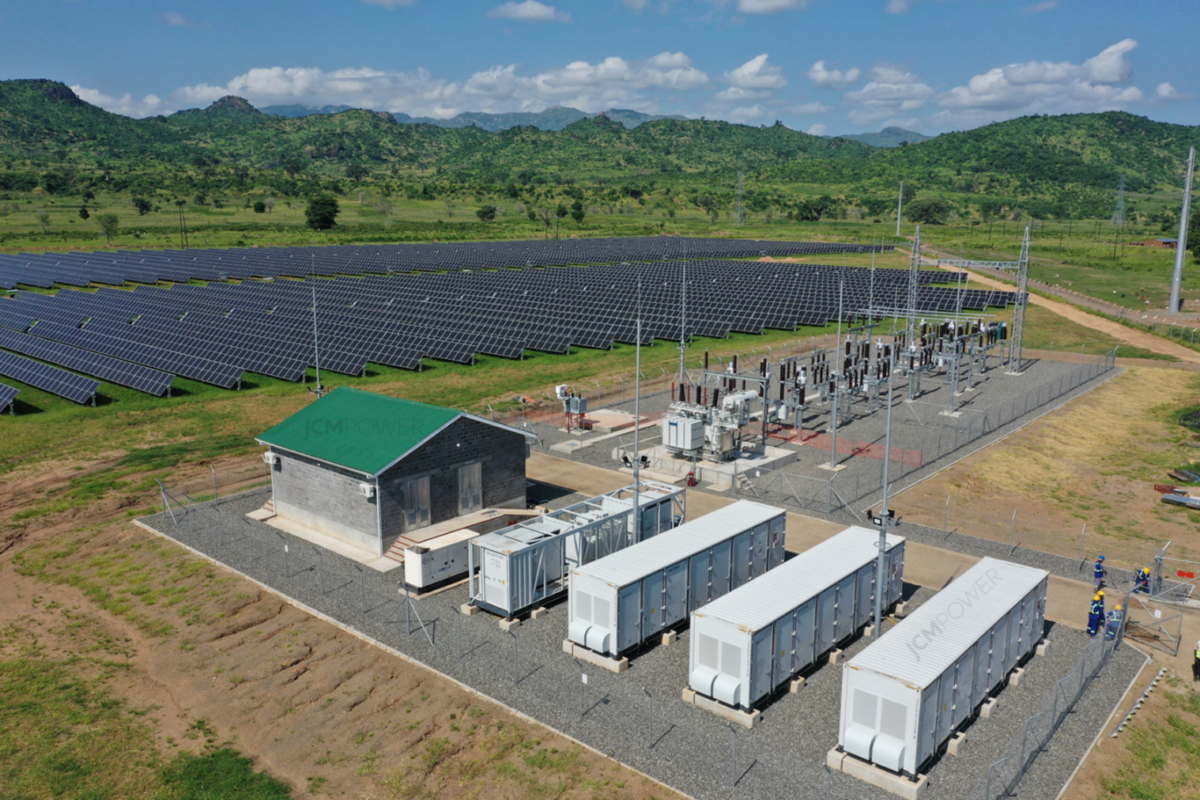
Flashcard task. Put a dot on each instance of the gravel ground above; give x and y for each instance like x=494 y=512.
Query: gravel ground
x=692 y=749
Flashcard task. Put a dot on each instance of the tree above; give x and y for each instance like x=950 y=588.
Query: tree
x=356 y=172
x=384 y=207
x=561 y=211
x=486 y=214
x=269 y=203
x=108 y=224
x=88 y=195
x=321 y=212
x=143 y=206
x=927 y=211
x=450 y=206
x=293 y=165
x=260 y=207
x=43 y=218
x=577 y=212
x=83 y=213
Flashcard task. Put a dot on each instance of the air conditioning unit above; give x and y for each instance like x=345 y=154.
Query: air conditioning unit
x=366 y=489
x=270 y=458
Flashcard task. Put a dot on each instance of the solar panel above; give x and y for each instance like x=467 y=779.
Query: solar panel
x=134 y=376
x=47 y=378
x=7 y=395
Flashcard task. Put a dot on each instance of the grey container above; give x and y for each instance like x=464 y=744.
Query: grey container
x=905 y=695
x=621 y=600
x=756 y=638
x=525 y=564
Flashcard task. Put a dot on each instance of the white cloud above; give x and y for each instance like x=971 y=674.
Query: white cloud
x=810 y=108
x=769 y=6
x=613 y=82
x=756 y=74
x=1038 y=8
x=736 y=94
x=743 y=114
x=898 y=6
x=148 y=106
x=818 y=130
x=390 y=4
x=1043 y=87
x=174 y=18
x=636 y=5
x=892 y=90
x=1165 y=91
x=833 y=78
x=529 y=11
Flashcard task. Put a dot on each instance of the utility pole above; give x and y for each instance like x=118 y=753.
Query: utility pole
x=319 y=392
x=1118 y=218
x=899 y=209
x=885 y=521
x=1181 y=244
x=637 y=423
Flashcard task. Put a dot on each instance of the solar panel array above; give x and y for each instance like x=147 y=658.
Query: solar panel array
x=7 y=395
x=216 y=332
x=45 y=270
x=47 y=378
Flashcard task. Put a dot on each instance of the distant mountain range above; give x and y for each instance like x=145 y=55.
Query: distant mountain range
x=554 y=118
x=888 y=137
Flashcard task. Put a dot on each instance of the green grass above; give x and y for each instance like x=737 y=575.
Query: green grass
x=63 y=735
x=1165 y=759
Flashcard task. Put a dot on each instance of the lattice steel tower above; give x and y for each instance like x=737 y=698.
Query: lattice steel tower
x=1016 y=337
x=914 y=276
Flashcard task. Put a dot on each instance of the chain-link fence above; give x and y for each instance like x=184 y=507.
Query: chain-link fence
x=179 y=495
x=1006 y=772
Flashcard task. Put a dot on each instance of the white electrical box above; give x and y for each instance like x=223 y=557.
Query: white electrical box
x=683 y=433
x=442 y=559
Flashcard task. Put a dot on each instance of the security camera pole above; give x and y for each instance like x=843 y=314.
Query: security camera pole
x=885 y=521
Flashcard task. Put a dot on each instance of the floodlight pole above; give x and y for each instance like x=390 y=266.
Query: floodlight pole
x=682 y=322
x=1181 y=244
x=885 y=520
x=637 y=422
x=316 y=347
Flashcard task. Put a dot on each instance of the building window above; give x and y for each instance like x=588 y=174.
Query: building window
x=416 y=503
x=470 y=488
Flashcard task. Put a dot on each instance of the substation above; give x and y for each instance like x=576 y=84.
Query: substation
x=711 y=650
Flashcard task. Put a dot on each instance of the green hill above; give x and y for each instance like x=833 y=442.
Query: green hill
x=888 y=137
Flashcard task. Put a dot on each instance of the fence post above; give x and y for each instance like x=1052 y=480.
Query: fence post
x=214 y=474
x=582 y=683
x=1012 y=529
x=320 y=568
x=286 y=572
x=650 y=724
x=987 y=793
x=733 y=772
x=946 y=515
x=362 y=587
x=514 y=638
x=458 y=626
x=1081 y=532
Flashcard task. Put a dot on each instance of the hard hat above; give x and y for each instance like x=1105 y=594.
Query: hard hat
x=1101 y=593
x=1101 y=558
x=1145 y=570
x=1118 y=606
x=1097 y=597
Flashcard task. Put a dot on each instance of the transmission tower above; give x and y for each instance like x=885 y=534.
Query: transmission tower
x=1016 y=336
x=1118 y=219
x=741 y=211
x=914 y=276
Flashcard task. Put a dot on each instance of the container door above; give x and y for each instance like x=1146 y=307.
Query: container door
x=946 y=704
x=470 y=488
x=1014 y=639
x=806 y=635
x=742 y=553
x=722 y=566
x=844 y=618
x=629 y=616
x=760 y=562
x=761 y=650
x=826 y=611
x=778 y=541
x=983 y=668
x=652 y=604
x=495 y=583
x=999 y=650
x=785 y=647
x=649 y=523
x=698 y=580
x=675 y=609
x=927 y=741
x=865 y=610
x=896 y=569
x=964 y=691
x=664 y=516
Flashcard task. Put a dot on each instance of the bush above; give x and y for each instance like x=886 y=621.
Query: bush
x=321 y=212
x=260 y=207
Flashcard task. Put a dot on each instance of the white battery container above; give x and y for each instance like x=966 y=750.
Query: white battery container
x=755 y=639
x=906 y=694
x=621 y=600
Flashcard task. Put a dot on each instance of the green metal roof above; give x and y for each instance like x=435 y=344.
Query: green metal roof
x=362 y=431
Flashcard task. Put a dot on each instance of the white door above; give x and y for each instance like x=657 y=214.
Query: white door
x=470 y=488
x=416 y=504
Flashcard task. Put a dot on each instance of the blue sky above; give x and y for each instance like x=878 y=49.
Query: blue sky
x=824 y=66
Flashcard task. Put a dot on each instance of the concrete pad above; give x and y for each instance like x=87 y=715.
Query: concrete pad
x=538 y=613
x=837 y=468
x=669 y=638
x=988 y=708
x=509 y=624
x=260 y=515
x=901 y=609
x=880 y=778
x=367 y=558
x=957 y=741
x=617 y=665
x=1015 y=678
x=796 y=685
x=567 y=448
x=835 y=656
x=746 y=720
x=468 y=609
x=868 y=630
x=573 y=475
x=1042 y=647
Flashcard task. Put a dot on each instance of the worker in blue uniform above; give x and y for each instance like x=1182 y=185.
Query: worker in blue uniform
x=1115 y=618
x=1095 y=615
x=1141 y=583
x=1099 y=572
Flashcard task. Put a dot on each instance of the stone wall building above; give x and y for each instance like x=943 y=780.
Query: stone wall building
x=365 y=468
